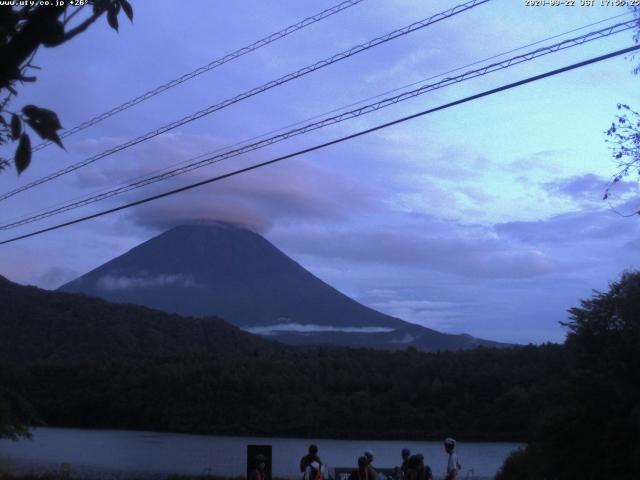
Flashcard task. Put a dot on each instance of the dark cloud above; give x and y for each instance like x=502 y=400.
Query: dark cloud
x=299 y=190
x=435 y=244
x=588 y=188
x=567 y=229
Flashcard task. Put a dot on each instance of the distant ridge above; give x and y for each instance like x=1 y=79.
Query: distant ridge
x=231 y=272
x=40 y=324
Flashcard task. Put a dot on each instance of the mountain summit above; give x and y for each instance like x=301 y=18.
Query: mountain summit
x=236 y=274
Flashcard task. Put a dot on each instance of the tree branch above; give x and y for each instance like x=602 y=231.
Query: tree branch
x=75 y=12
x=82 y=27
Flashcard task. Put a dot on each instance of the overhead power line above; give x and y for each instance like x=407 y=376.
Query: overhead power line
x=486 y=93
x=205 y=68
x=314 y=117
x=255 y=91
x=507 y=63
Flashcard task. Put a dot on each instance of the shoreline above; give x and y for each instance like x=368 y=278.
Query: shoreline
x=126 y=455
x=297 y=436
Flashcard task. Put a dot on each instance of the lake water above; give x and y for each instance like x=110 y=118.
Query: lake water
x=114 y=453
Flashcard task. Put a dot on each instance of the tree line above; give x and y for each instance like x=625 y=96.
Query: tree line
x=487 y=393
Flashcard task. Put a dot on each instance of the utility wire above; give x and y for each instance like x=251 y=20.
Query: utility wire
x=569 y=43
x=205 y=68
x=323 y=114
x=267 y=86
x=170 y=84
x=332 y=142
x=308 y=119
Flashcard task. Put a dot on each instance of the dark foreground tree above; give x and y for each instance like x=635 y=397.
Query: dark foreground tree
x=24 y=29
x=16 y=415
x=593 y=432
x=624 y=134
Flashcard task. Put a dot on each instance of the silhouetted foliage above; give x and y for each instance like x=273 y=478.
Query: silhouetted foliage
x=624 y=134
x=624 y=138
x=24 y=29
x=593 y=429
x=39 y=324
x=356 y=393
x=16 y=415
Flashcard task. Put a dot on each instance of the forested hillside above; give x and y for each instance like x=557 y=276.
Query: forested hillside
x=485 y=394
x=39 y=324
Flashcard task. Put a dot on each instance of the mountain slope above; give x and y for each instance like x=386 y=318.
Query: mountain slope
x=238 y=275
x=225 y=271
x=39 y=324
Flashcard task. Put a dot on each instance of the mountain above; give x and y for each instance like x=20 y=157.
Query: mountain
x=236 y=274
x=40 y=324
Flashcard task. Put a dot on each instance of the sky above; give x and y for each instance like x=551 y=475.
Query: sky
x=486 y=218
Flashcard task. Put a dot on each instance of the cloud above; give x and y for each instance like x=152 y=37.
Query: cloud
x=565 y=229
x=166 y=151
x=407 y=338
x=440 y=315
x=542 y=160
x=20 y=265
x=428 y=243
x=112 y=283
x=588 y=188
x=55 y=277
x=311 y=328
x=297 y=191
x=199 y=209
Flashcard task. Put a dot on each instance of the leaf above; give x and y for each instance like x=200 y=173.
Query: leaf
x=22 y=158
x=44 y=132
x=55 y=138
x=44 y=116
x=128 y=10
x=44 y=122
x=16 y=127
x=112 y=16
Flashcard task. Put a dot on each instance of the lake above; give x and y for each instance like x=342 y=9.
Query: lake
x=114 y=453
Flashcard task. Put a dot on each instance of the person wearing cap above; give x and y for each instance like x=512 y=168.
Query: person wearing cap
x=400 y=472
x=453 y=465
x=362 y=472
x=373 y=474
x=258 y=472
x=310 y=457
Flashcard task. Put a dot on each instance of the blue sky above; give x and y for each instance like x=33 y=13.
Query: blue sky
x=484 y=218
